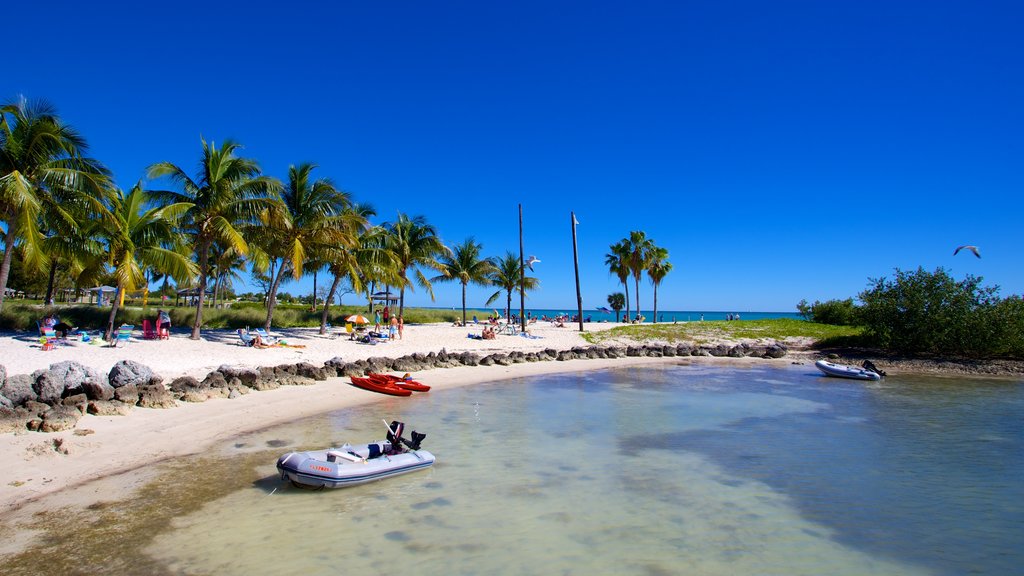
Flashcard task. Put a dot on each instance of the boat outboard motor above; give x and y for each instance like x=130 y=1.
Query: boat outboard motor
x=416 y=439
x=395 y=435
x=869 y=365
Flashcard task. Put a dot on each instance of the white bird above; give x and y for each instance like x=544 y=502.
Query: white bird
x=966 y=247
x=531 y=261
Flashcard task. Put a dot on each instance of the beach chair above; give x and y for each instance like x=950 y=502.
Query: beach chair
x=48 y=340
x=124 y=334
x=510 y=329
x=148 y=332
x=267 y=338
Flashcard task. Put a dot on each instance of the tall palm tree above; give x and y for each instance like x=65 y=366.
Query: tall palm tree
x=316 y=215
x=139 y=237
x=506 y=274
x=465 y=264
x=227 y=262
x=657 y=268
x=42 y=166
x=617 y=261
x=415 y=244
x=228 y=192
x=639 y=250
x=617 y=300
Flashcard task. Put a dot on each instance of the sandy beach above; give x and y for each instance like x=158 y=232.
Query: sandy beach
x=101 y=446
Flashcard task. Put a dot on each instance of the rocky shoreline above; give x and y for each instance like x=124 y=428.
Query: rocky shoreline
x=53 y=400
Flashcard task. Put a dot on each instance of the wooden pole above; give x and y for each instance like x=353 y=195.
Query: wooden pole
x=576 y=265
x=522 y=274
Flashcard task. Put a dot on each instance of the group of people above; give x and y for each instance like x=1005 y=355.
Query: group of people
x=395 y=325
x=53 y=322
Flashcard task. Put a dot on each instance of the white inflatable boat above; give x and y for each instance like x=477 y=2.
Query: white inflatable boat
x=844 y=371
x=350 y=465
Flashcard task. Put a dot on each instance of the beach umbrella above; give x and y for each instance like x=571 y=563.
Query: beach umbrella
x=604 y=309
x=358 y=319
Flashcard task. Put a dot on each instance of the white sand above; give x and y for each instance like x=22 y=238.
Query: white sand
x=115 y=444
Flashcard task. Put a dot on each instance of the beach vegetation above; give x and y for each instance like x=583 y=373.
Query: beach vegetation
x=921 y=312
x=416 y=245
x=228 y=194
x=617 y=300
x=507 y=274
x=44 y=176
x=713 y=331
x=465 y=264
x=837 y=312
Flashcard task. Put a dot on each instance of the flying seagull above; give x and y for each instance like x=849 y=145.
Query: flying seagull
x=530 y=262
x=965 y=247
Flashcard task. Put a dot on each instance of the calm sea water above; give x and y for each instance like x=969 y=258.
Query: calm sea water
x=663 y=315
x=676 y=470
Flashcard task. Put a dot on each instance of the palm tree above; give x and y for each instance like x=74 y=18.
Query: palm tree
x=465 y=265
x=415 y=244
x=657 y=268
x=139 y=237
x=617 y=262
x=42 y=167
x=316 y=216
x=224 y=270
x=506 y=274
x=617 y=300
x=639 y=250
x=228 y=192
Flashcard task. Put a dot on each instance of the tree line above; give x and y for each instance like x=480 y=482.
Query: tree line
x=60 y=208
x=632 y=257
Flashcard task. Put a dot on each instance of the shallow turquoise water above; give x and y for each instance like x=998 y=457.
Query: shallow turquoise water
x=681 y=470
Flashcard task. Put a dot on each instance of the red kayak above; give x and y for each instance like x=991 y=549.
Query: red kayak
x=398 y=381
x=374 y=386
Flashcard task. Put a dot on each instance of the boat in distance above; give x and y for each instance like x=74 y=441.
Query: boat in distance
x=844 y=371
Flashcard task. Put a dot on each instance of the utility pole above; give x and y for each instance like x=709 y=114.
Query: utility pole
x=522 y=275
x=576 y=264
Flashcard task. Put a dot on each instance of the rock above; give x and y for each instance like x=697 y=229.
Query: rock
x=550 y=353
x=46 y=387
x=380 y=364
x=108 y=408
x=239 y=375
x=33 y=408
x=284 y=369
x=73 y=376
x=337 y=363
x=3 y=375
x=196 y=395
x=487 y=361
x=13 y=421
x=59 y=418
x=183 y=384
x=775 y=351
x=155 y=397
x=6 y=404
x=407 y=364
x=668 y=351
x=18 y=389
x=98 y=390
x=215 y=380
x=701 y=351
x=77 y=401
x=501 y=359
x=615 y=352
x=295 y=381
x=683 y=349
x=633 y=351
x=469 y=359
x=351 y=369
x=308 y=370
x=129 y=372
x=129 y=393
x=738 y=351
x=652 y=351
x=719 y=350
x=564 y=355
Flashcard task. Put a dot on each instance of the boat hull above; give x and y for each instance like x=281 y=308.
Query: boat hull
x=844 y=371
x=400 y=382
x=318 y=469
x=379 y=387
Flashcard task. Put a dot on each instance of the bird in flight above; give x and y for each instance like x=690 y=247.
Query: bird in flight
x=531 y=261
x=965 y=247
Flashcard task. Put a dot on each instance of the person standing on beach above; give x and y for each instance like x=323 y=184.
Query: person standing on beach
x=401 y=327
x=376 y=321
x=393 y=328
x=163 y=322
x=387 y=314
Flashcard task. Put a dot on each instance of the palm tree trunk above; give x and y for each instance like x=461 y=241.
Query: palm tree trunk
x=636 y=280
x=625 y=285
x=313 y=308
x=204 y=270
x=49 y=283
x=463 y=304
x=272 y=295
x=5 y=267
x=655 y=319
x=508 y=305
x=114 y=306
x=327 y=303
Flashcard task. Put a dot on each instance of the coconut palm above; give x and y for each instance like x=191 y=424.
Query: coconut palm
x=506 y=275
x=465 y=264
x=617 y=262
x=316 y=216
x=227 y=262
x=139 y=237
x=657 y=268
x=227 y=193
x=617 y=300
x=639 y=251
x=43 y=167
x=416 y=245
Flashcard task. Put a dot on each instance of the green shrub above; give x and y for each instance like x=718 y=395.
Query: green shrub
x=832 y=312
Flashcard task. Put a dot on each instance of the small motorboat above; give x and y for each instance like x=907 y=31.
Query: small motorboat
x=844 y=371
x=401 y=381
x=349 y=465
x=380 y=387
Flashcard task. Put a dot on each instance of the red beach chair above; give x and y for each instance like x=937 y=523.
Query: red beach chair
x=148 y=332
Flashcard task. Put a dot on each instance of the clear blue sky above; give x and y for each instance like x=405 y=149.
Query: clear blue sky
x=779 y=150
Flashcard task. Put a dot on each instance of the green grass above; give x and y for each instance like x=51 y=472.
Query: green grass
x=706 y=332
